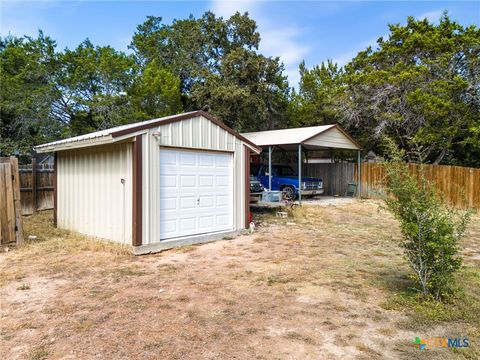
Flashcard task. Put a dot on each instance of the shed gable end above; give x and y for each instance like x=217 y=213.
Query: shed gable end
x=333 y=138
x=196 y=133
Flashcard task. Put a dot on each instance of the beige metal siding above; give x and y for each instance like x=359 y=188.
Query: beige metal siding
x=239 y=185
x=332 y=138
x=91 y=197
x=197 y=133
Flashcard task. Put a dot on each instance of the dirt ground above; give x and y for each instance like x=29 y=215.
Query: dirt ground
x=312 y=286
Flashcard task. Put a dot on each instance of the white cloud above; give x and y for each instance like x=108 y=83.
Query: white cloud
x=227 y=8
x=344 y=58
x=27 y=17
x=280 y=39
x=432 y=16
x=284 y=42
x=293 y=76
x=17 y=27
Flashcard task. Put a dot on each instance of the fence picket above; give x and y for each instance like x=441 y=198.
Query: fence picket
x=11 y=225
x=459 y=185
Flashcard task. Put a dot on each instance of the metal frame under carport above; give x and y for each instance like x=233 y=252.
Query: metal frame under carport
x=316 y=132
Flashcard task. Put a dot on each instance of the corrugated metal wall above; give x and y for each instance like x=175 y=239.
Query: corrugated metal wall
x=92 y=200
x=195 y=133
x=91 y=196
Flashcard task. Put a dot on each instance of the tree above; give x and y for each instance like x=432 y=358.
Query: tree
x=420 y=86
x=249 y=93
x=27 y=93
x=92 y=84
x=155 y=93
x=431 y=230
x=315 y=103
x=218 y=67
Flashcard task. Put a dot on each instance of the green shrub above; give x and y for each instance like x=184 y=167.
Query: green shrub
x=431 y=230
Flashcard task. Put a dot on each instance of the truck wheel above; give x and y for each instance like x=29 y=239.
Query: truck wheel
x=289 y=192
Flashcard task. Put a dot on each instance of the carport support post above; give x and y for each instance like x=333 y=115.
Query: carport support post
x=270 y=168
x=359 y=181
x=299 y=174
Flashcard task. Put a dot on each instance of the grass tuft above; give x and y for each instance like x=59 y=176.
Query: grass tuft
x=463 y=306
x=293 y=335
x=39 y=353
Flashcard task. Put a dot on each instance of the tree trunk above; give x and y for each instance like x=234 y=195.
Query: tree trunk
x=440 y=157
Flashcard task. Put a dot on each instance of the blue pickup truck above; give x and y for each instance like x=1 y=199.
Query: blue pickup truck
x=285 y=178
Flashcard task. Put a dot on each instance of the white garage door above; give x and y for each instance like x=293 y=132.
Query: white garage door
x=196 y=192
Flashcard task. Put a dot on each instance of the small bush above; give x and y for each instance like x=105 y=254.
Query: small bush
x=431 y=230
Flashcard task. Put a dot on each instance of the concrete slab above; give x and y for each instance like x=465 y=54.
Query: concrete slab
x=183 y=241
x=329 y=200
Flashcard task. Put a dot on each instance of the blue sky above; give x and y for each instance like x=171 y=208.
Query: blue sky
x=313 y=31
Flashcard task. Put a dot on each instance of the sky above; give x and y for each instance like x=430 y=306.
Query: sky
x=313 y=31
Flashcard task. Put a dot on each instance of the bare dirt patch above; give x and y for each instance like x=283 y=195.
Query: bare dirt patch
x=312 y=290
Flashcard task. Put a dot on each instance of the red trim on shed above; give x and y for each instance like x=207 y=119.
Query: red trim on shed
x=247 y=187
x=55 y=191
x=137 y=192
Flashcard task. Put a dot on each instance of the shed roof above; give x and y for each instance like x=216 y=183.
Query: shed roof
x=313 y=137
x=122 y=132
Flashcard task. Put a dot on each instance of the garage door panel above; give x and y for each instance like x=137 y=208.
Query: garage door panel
x=222 y=220
x=206 y=160
x=188 y=159
x=223 y=162
x=188 y=181
x=206 y=180
x=169 y=226
x=196 y=193
x=222 y=200
x=188 y=202
x=206 y=222
x=168 y=181
x=188 y=224
x=206 y=201
x=222 y=180
x=169 y=203
x=169 y=159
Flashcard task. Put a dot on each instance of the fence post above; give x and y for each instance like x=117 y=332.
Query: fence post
x=359 y=185
x=34 y=184
x=16 y=200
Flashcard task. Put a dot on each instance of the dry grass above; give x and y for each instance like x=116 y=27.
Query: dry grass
x=41 y=225
x=331 y=286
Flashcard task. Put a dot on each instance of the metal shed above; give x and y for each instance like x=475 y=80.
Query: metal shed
x=155 y=184
x=302 y=140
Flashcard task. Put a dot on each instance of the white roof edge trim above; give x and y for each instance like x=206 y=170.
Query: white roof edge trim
x=50 y=147
x=255 y=150
x=57 y=145
x=285 y=136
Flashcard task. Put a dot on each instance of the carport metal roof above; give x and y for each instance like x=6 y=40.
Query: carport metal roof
x=310 y=138
x=307 y=138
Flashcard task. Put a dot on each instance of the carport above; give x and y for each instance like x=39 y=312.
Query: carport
x=303 y=140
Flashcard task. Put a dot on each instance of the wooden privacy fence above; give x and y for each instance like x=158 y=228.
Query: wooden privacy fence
x=459 y=185
x=335 y=176
x=11 y=225
x=36 y=187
